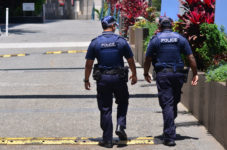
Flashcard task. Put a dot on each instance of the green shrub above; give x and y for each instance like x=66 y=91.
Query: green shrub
x=102 y=13
x=39 y=6
x=217 y=73
x=152 y=26
x=152 y=29
x=157 y=4
x=215 y=43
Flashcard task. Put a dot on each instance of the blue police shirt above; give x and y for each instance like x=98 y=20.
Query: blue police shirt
x=166 y=47
x=109 y=49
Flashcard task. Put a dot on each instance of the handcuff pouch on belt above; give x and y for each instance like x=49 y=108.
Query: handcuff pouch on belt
x=122 y=72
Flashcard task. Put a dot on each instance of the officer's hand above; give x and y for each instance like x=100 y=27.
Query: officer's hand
x=87 y=85
x=148 y=78
x=133 y=79
x=195 y=80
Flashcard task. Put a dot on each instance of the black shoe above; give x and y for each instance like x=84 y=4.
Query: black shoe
x=169 y=143
x=121 y=133
x=107 y=144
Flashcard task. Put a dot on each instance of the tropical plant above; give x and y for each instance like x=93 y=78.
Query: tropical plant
x=103 y=11
x=152 y=26
x=130 y=10
x=156 y=4
x=195 y=13
x=217 y=72
x=151 y=13
x=214 y=45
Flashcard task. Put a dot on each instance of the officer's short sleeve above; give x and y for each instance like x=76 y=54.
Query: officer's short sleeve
x=127 y=51
x=152 y=46
x=186 y=47
x=91 y=51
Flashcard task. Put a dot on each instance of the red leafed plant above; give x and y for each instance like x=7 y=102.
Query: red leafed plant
x=196 y=12
x=130 y=10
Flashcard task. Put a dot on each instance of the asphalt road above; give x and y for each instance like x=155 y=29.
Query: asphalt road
x=42 y=95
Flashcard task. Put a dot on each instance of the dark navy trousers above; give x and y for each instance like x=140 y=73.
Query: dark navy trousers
x=107 y=87
x=169 y=93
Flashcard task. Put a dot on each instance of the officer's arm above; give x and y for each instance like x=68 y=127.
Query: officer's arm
x=150 y=50
x=193 y=66
x=88 y=68
x=192 y=63
x=132 y=67
x=147 y=65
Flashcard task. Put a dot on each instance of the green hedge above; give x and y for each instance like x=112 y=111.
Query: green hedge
x=217 y=73
x=215 y=43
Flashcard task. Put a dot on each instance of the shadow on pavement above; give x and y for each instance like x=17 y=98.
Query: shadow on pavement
x=179 y=112
x=159 y=139
x=186 y=124
x=67 y=96
x=20 y=31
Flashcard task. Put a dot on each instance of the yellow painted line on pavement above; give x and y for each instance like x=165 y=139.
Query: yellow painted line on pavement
x=71 y=141
x=68 y=51
x=20 y=55
x=13 y=55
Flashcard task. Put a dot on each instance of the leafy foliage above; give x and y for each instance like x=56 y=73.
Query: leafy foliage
x=130 y=10
x=214 y=45
x=217 y=73
x=156 y=4
x=196 y=13
x=152 y=26
x=105 y=8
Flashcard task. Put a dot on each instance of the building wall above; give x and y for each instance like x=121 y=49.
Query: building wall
x=82 y=9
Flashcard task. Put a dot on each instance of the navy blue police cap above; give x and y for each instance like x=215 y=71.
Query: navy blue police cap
x=108 y=21
x=165 y=21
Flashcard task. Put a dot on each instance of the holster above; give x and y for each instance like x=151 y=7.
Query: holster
x=185 y=72
x=97 y=74
x=123 y=73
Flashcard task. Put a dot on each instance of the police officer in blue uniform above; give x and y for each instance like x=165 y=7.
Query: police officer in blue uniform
x=164 y=51
x=109 y=49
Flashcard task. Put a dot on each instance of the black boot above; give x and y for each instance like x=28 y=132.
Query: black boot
x=106 y=144
x=121 y=133
x=169 y=143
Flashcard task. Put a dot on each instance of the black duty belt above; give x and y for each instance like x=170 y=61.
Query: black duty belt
x=110 y=72
x=165 y=70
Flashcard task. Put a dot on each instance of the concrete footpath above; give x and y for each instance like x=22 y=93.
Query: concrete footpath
x=44 y=96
